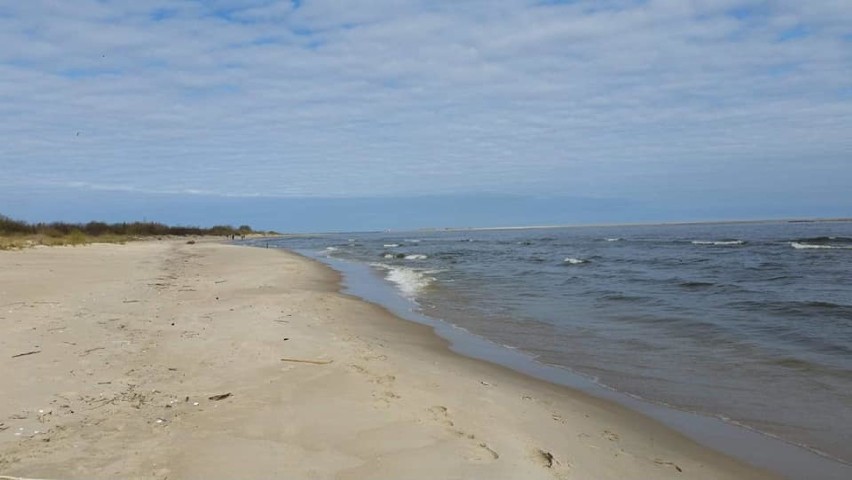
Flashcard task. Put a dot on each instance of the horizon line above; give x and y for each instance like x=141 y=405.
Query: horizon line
x=583 y=225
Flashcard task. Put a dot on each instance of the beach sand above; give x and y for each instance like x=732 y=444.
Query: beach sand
x=111 y=354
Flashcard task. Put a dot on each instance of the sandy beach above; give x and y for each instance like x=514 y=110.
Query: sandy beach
x=162 y=359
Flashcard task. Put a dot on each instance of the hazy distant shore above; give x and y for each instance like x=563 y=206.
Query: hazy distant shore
x=648 y=224
x=169 y=360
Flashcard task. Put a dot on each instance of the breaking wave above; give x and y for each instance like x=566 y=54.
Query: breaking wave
x=828 y=243
x=718 y=242
x=409 y=281
x=808 y=246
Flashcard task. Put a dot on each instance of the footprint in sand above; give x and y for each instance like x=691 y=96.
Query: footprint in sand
x=547 y=460
x=441 y=415
x=384 y=397
x=479 y=451
x=374 y=357
x=670 y=464
x=383 y=380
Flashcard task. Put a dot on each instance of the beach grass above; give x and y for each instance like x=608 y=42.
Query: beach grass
x=17 y=234
x=74 y=238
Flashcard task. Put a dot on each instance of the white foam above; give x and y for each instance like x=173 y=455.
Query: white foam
x=718 y=242
x=331 y=249
x=409 y=281
x=391 y=245
x=807 y=246
x=612 y=239
x=389 y=255
x=416 y=256
x=575 y=261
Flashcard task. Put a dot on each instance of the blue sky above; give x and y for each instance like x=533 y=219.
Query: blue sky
x=328 y=115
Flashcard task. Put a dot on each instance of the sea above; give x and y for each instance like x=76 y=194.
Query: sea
x=748 y=324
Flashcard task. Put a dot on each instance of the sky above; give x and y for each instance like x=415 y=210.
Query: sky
x=343 y=115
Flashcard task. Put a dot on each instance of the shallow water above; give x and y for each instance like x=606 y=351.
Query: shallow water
x=748 y=322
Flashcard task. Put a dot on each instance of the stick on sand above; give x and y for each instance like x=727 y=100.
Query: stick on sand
x=314 y=362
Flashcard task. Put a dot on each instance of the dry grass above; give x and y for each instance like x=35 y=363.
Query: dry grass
x=76 y=237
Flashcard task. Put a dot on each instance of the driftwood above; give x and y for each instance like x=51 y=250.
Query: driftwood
x=24 y=355
x=313 y=362
x=5 y=477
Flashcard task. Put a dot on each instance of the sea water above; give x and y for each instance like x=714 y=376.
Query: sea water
x=751 y=323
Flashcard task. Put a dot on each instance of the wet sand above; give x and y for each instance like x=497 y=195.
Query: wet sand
x=169 y=360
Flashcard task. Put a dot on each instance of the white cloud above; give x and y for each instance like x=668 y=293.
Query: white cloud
x=385 y=97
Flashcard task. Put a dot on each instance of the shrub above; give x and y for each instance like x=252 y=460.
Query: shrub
x=77 y=237
x=59 y=230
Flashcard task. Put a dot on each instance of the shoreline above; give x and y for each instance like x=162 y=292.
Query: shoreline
x=762 y=449
x=318 y=382
x=458 y=348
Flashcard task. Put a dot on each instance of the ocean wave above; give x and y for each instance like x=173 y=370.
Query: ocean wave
x=718 y=242
x=805 y=366
x=808 y=246
x=824 y=240
x=391 y=245
x=696 y=284
x=621 y=297
x=574 y=261
x=331 y=249
x=416 y=256
x=409 y=281
x=613 y=239
x=817 y=308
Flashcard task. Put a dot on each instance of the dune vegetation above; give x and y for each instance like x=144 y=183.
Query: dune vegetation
x=16 y=234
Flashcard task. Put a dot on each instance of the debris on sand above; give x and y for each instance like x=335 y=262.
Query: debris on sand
x=26 y=353
x=548 y=458
x=313 y=362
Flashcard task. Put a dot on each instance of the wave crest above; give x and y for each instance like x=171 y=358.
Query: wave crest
x=808 y=246
x=409 y=281
x=824 y=240
x=719 y=242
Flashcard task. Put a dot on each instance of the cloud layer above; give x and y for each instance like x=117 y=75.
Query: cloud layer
x=324 y=98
